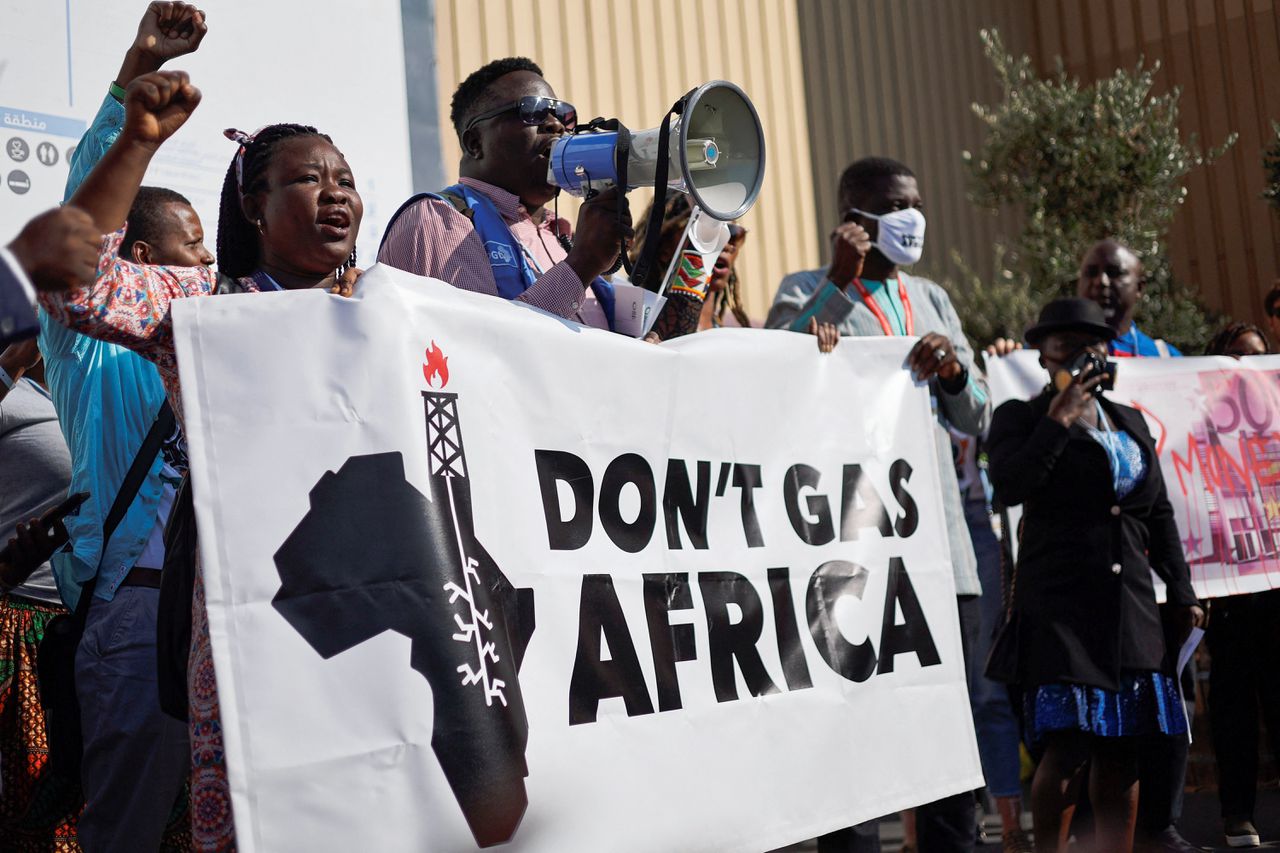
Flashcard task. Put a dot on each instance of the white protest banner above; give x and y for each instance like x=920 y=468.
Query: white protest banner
x=478 y=575
x=1215 y=421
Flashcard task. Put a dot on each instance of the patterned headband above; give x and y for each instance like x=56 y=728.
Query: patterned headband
x=245 y=139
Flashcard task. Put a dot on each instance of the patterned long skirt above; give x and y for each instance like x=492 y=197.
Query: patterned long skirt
x=37 y=809
x=212 y=828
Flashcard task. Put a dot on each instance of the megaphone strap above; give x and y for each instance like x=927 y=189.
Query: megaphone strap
x=643 y=269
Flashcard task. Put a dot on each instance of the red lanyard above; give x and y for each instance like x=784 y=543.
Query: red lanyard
x=908 y=320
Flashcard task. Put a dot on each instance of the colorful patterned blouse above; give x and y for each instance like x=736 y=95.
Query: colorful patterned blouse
x=128 y=304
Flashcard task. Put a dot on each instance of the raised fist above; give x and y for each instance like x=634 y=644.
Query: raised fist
x=59 y=249
x=157 y=104
x=850 y=245
x=168 y=30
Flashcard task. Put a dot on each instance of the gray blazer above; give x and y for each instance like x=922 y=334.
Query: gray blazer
x=809 y=294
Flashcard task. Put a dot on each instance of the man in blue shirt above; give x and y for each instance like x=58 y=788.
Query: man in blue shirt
x=1111 y=275
x=136 y=758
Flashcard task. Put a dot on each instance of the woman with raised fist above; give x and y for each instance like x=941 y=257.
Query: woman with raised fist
x=289 y=219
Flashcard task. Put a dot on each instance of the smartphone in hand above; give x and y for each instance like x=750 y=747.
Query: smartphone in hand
x=49 y=524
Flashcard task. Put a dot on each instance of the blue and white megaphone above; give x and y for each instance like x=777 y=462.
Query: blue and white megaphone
x=709 y=145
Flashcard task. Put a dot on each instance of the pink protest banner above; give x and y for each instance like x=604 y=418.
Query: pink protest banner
x=1216 y=422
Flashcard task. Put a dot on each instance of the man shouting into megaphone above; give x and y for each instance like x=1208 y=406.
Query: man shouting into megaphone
x=491 y=232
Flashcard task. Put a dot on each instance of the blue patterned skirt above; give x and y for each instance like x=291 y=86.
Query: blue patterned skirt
x=1146 y=703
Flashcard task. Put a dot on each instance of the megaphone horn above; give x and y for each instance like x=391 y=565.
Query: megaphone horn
x=715 y=139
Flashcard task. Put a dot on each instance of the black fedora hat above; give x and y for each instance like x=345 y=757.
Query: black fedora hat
x=1072 y=314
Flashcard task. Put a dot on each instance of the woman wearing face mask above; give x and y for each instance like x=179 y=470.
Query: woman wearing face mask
x=289 y=219
x=1083 y=642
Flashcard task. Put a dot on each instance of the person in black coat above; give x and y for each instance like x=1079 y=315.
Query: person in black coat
x=1084 y=642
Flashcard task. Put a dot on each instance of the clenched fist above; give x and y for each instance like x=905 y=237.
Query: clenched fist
x=850 y=245
x=156 y=105
x=59 y=249
x=169 y=30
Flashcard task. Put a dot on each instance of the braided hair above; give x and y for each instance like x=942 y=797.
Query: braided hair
x=731 y=298
x=1228 y=336
x=675 y=217
x=239 y=250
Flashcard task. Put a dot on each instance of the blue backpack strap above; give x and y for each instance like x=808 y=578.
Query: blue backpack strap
x=604 y=295
x=512 y=272
x=452 y=194
x=460 y=197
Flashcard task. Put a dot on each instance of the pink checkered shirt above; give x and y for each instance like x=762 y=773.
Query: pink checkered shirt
x=433 y=239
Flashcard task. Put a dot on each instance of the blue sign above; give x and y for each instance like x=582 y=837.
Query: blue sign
x=15 y=119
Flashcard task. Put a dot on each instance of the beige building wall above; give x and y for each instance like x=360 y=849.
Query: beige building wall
x=835 y=80
x=897 y=78
x=588 y=50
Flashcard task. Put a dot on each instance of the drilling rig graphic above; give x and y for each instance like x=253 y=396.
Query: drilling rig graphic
x=373 y=554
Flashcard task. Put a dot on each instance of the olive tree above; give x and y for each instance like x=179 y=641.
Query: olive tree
x=1078 y=163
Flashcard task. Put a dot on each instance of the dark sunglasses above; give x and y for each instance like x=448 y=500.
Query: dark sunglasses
x=533 y=110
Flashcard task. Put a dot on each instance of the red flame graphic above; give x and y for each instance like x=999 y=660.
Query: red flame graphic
x=437 y=364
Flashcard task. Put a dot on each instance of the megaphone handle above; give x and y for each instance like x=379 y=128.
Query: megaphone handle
x=620 y=260
x=621 y=159
x=622 y=244
x=567 y=244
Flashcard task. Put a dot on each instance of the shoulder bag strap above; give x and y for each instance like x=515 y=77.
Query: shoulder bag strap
x=160 y=430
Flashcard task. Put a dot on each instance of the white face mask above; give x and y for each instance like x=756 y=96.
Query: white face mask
x=901 y=237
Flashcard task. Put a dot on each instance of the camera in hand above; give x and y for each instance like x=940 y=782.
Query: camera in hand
x=1088 y=364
